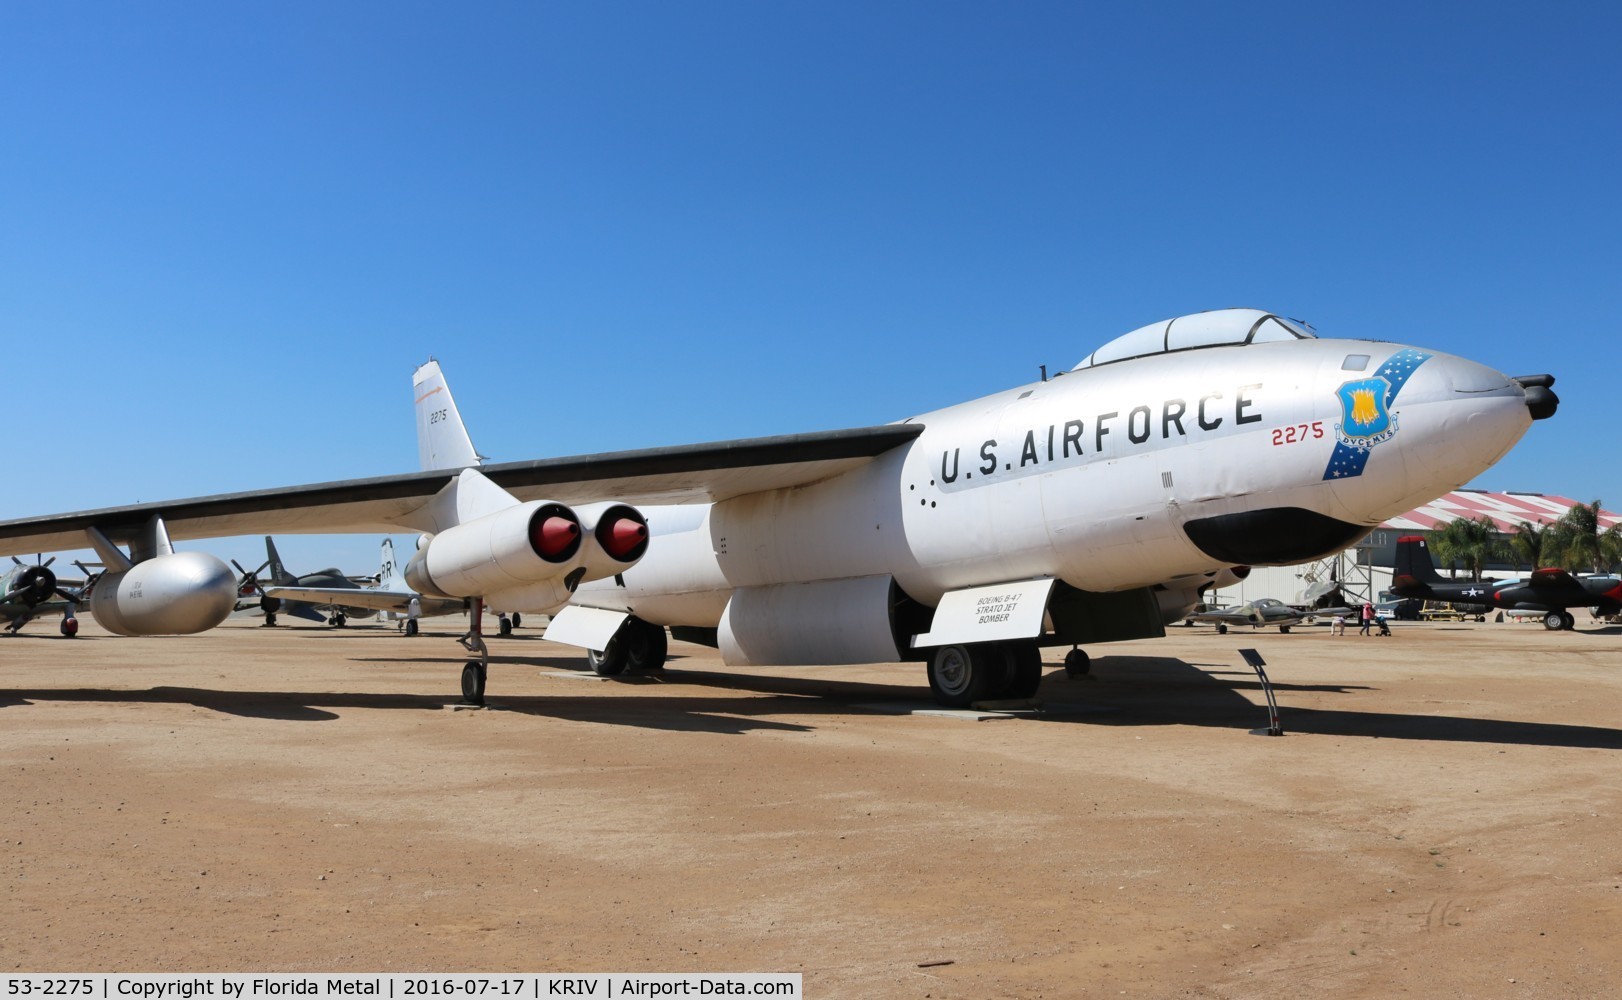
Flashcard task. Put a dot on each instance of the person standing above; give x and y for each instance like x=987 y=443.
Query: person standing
x=1367 y=618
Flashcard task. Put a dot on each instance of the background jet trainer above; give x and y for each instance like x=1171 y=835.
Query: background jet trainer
x=1086 y=508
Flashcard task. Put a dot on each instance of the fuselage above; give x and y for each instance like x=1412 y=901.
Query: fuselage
x=1109 y=477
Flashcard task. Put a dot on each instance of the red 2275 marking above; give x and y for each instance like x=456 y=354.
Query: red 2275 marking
x=1298 y=432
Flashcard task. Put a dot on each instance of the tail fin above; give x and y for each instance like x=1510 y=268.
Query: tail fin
x=1413 y=564
x=442 y=441
x=388 y=574
x=278 y=573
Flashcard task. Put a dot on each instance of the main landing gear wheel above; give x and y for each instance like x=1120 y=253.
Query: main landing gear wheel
x=518 y=619
x=505 y=627
x=1284 y=629
x=1024 y=670
x=1554 y=621
x=960 y=675
x=609 y=661
x=1222 y=628
x=411 y=627
x=1077 y=663
x=473 y=678
x=646 y=646
x=270 y=619
x=340 y=620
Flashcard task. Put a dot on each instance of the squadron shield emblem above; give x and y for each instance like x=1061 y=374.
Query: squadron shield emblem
x=1364 y=418
x=1365 y=413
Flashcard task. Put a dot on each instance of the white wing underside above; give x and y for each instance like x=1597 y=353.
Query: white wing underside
x=692 y=474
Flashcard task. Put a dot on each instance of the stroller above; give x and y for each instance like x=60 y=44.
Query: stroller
x=1380 y=626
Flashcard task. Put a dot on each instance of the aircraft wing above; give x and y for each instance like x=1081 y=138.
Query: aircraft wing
x=377 y=600
x=684 y=474
x=1232 y=616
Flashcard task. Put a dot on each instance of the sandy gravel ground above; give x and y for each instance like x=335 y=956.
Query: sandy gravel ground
x=1441 y=819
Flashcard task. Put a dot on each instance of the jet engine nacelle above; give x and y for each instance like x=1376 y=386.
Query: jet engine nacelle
x=176 y=594
x=616 y=537
x=522 y=545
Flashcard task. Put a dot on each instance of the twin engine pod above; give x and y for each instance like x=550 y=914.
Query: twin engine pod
x=530 y=556
x=176 y=594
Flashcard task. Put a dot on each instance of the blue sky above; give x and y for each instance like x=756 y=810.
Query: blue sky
x=229 y=232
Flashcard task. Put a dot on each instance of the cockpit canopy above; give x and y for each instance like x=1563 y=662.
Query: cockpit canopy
x=1217 y=328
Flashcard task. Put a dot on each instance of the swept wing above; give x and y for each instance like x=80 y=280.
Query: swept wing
x=685 y=474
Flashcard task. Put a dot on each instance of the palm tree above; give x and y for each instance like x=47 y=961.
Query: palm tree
x=1528 y=543
x=1578 y=542
x=1472 y=541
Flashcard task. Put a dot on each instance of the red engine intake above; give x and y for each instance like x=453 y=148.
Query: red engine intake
x=622 y=533
x=554 y=533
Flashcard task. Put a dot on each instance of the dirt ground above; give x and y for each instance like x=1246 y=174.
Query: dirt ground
x=1440 y=820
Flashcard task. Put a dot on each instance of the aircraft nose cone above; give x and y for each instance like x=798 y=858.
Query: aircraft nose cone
x=1446 y=420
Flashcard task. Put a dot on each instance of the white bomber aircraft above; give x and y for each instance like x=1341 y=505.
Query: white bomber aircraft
x=1086 y=508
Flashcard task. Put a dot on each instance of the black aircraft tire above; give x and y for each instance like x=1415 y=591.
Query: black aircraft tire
x=1554 y=621
x=608 y=661
x=505 y=628
x=646 y=646
x=340 y=620
x=1222 y=628
x=517 y=619
x=473 y=676
x=1077 y=663
x=1285 y=629
x=960 y=675
x=1024 y=675
x=411 y=626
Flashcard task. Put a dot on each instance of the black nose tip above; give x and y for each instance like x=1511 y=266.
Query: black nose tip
x=1542 y=401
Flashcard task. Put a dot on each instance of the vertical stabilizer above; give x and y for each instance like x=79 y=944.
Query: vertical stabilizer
x=278 y=573
x=442 y=441
x=388 y=573
x=1414 y=561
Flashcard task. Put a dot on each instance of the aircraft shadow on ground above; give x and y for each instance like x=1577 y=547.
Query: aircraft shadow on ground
x=1122 y=691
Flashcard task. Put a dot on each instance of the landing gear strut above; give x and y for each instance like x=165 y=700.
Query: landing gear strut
x=475 y=672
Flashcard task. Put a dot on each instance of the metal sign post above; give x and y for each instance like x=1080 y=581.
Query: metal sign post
x=1257 y=663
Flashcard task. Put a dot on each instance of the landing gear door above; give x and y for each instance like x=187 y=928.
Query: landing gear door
x=991 y=613
x=588 y=628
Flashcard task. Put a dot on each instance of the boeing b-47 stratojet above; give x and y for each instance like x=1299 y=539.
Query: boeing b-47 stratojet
x=1549 y=591
x=1081 y=509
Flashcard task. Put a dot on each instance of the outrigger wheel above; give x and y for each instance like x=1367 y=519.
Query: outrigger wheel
x=1077 y=663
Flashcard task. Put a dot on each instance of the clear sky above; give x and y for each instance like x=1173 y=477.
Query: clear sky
x=229 y=232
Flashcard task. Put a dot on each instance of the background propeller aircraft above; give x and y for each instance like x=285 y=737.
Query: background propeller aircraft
x=323 y=596
x=391 y=595
x=1067 y=511
x=1550 y=591
x=30 y=590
